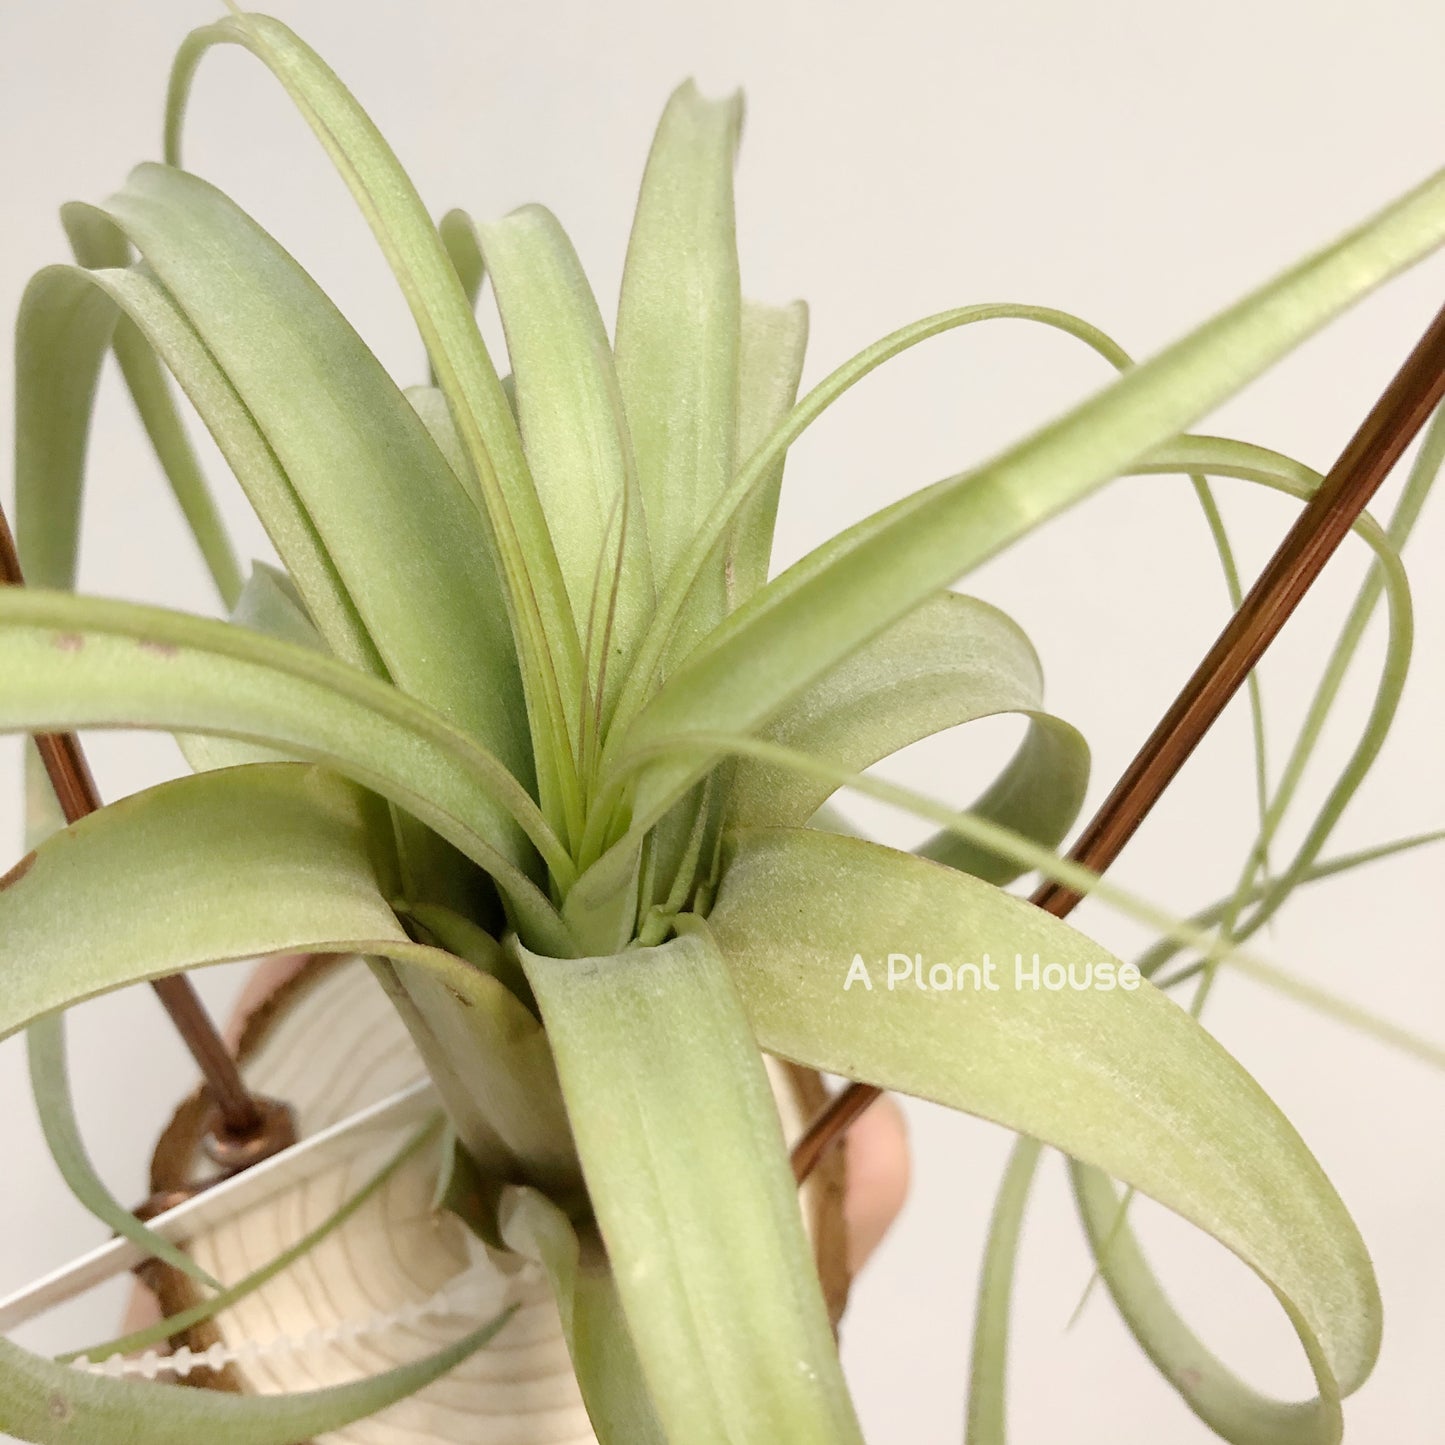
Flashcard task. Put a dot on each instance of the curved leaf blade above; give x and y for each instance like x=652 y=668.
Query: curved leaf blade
x=61 y=333
x=1189 y=454
x=50 y=1085
x=753 y=480
x=1121 y=1079
x=1229 y=1407
x=406 y=541
x=951 y=661
x=47 y=476
x=851 y=588
x=51 y=1404
x=548 y=648
x=268 y=859
x=240 y=863
x=72 y=662
x=99 y=247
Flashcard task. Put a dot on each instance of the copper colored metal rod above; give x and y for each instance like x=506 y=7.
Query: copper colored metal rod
x=1319 y=529
x=1321 y=526
x=241 y=1114
x=834 y=1120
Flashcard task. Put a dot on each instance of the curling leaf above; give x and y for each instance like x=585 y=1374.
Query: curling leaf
x=609 y=876
x=395 y=521
x=53 y=421
x=754 y=478
x=98 y=247
x=51 y=1404
x=547 y=644
x=1119 y=1078
x=1232 y=1409
x=851 y=588
x=239 y=863
x=73 y=662
x=951 y=661
x=50 y=1084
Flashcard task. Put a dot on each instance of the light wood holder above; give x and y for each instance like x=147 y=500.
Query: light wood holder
x=328 y=1042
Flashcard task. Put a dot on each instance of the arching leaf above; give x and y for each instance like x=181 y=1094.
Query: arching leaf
x=548 y=649
x=951 y=661
x=404 y=537
x=1117 y=1077
x=851 y=588
x=50 y=1085
x=72 y=662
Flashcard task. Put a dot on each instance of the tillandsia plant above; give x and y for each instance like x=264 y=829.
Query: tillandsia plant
x=523 y=721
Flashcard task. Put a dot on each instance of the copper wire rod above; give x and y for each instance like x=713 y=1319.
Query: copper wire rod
x=1323 y=523
x=1321 y=526
x=833 y=1121
x=241 y=1115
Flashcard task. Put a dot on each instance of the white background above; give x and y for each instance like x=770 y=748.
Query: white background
x=1141 y=164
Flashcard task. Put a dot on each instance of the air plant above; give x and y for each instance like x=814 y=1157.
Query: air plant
x=523 y=721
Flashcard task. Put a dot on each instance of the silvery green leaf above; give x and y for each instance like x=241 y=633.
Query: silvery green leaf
x=951 y=661
x=851 y=957
x=688 y=1175
x=678 y=334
